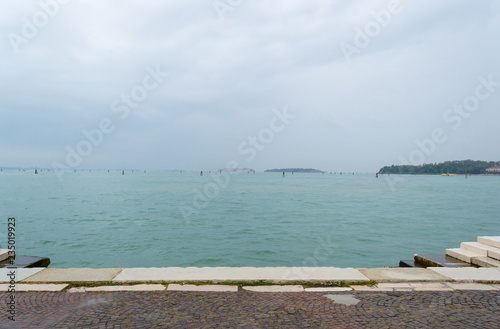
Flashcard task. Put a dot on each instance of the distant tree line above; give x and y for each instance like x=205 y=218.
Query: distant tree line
x=456 y=167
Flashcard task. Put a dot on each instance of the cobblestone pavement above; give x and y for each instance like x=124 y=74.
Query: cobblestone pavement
x=456 y=309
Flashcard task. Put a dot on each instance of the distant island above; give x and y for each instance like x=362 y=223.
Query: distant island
x=296 y=170
x=460 y=167
x=248 y=170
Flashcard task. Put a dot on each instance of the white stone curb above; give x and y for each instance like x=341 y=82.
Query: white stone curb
x=326 y=289
x=139 y=287
x=201 y=288
x=274 y=288
x=19 y=287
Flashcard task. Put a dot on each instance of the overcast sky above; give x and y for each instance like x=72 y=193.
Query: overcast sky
x=267 y=83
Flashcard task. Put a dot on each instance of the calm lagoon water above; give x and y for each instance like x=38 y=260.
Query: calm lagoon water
x=100 y=219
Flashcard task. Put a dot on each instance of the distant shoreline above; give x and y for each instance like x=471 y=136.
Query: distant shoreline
x=296 y=170
x=498 y=175
x=455 y=167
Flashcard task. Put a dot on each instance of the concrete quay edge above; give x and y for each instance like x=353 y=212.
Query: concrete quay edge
x=251 y=275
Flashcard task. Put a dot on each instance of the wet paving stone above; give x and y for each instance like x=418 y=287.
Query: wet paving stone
x=244 y=309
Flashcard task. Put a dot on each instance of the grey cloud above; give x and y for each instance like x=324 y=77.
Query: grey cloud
x=227 y=75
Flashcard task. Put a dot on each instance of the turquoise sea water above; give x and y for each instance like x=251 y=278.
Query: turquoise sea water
x=101 y=219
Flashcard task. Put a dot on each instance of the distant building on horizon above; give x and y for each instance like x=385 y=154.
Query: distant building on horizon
x=493 y=170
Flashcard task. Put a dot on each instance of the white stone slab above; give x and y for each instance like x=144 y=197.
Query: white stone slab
x=471 y=286
x=75 y=275
x=347 y=300
x=493 y=241
x=251 y=274
x=138 y=287
x=431 y=286
x=401 y=274
x=462 y=254
x=469 y=273
x=326 y=289
x=208 y=287
x=274 y=288
x=20 y=273
x=322 y=274
x=21 y=287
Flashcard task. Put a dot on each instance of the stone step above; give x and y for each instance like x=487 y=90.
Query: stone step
x=439 y=260
x=4 y=254
x=26 y=261
x=483 y=249
x=495 y=254
x=475 y=247
x=462 y=254
x=410 y=263
x=493 y=241
x=485 y=262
